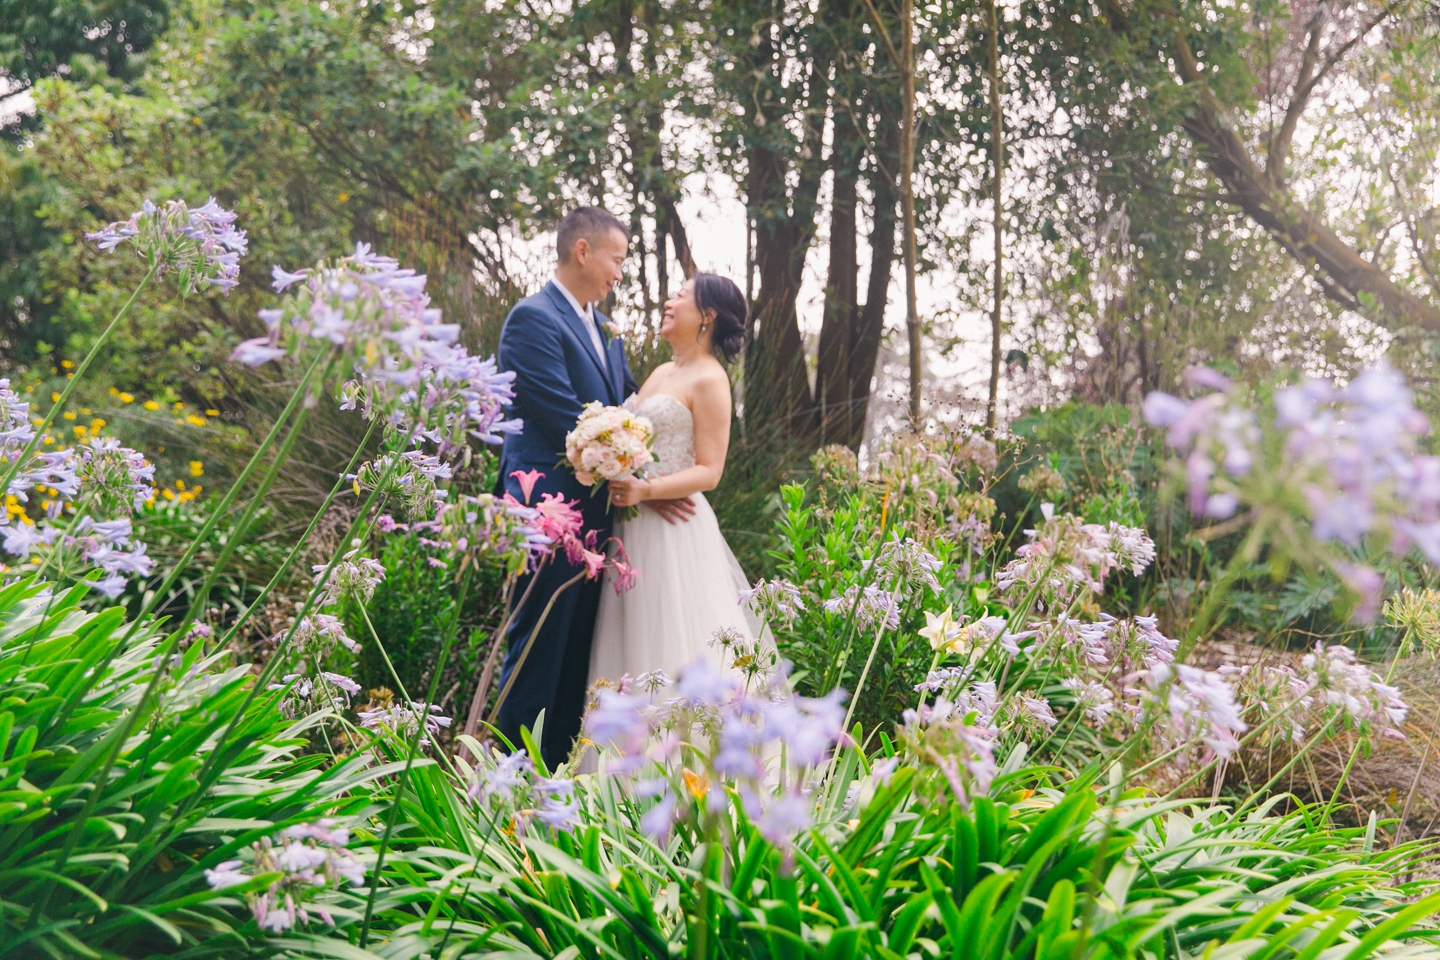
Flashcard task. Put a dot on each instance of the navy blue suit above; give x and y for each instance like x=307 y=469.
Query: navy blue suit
x=557 y=372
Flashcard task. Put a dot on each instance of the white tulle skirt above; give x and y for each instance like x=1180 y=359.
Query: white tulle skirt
x=689 y=589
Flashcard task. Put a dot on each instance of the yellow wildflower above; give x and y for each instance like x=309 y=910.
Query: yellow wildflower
x=197 y=469
x=127 y=397
x=151 y=405
x=196 y=420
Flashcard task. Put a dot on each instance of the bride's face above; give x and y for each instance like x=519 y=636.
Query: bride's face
x=682 y=320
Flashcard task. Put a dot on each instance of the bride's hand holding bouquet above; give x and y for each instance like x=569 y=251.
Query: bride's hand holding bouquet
x=611 y=444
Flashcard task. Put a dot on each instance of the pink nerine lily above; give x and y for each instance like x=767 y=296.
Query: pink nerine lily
x=528 y=479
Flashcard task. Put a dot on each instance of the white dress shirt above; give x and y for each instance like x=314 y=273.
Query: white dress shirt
x=587 y=317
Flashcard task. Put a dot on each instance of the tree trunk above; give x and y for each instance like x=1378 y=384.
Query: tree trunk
x=997 y=168
x=907 y=197
x=869 y=329
x=837 y=333
x=778 y=402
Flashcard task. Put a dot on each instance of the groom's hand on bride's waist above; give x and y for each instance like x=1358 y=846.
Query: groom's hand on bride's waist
x=674 y=511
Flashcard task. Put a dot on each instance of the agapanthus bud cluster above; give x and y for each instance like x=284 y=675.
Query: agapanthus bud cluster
x=957 y=739
x=734 y=735
x=310 y=859
x=1417 y=614
x=1044 y=483
x=907 y=563
x=353 y=577
x=911 y=465
x=1065 y=556
x=776 y=601
x=401 y=722
x=836 y=465
x=1347 y=457
x=105 y=481
x=201 y=246
x=304 y=694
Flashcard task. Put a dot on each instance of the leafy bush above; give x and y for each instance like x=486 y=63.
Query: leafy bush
x=186 y=790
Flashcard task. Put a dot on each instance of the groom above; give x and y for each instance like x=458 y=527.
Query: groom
x=563 y=357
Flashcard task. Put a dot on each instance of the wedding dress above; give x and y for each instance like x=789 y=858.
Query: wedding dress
x=690 y=582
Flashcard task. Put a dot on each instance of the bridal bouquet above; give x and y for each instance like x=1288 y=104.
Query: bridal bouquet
x=609 y=442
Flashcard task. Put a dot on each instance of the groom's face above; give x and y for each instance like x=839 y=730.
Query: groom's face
x=601 y=261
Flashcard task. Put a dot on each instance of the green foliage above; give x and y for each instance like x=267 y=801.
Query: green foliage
x=135 y=884
x=1053 y=873
x=41 y=39
x=410 y=612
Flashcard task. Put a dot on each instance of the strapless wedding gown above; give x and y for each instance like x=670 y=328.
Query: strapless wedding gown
x=690 y=582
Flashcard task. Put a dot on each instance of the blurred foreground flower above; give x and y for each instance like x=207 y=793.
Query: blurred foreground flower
x=1344 y=461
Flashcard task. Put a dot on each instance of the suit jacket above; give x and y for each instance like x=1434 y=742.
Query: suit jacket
x=557 y=372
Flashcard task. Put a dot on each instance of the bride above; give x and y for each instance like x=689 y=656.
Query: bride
x=690 y=583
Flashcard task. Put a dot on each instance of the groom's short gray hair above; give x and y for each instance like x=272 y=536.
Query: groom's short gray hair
x=585 y=223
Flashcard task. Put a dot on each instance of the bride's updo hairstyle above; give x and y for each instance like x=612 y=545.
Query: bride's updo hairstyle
x=719 y=295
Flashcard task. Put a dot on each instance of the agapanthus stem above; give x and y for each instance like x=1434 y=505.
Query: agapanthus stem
x=394 y=674
x=869 y=661
x=1419 y=772
x=201 y=779
x=75 y=378
x=257 y=500
x=303 y=539
x=452 y=630
x=1355 y=750
x=161 y=654
x=1215 y=596
x=497 y=643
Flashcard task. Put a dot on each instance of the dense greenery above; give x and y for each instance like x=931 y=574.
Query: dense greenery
x=251 y=606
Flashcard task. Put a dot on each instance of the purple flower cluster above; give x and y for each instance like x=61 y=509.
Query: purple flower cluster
x=401 y=722
x=201 y=246
x=409 y=365
x=353 y=577
x=734 y=736
x=777 y=601
x=907 y=563
x=309 y=858
x=1065 y=556
x=305 y=695
x=489 y=526
x=1340 y=682
x=108 y=480
x=1201 y=707
x=874 y=608
x=958 y=739
x=316 y=635
x=508 y=786
x=1348 y=454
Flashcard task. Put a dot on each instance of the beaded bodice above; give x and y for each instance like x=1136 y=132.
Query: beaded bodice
x=674 y=446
